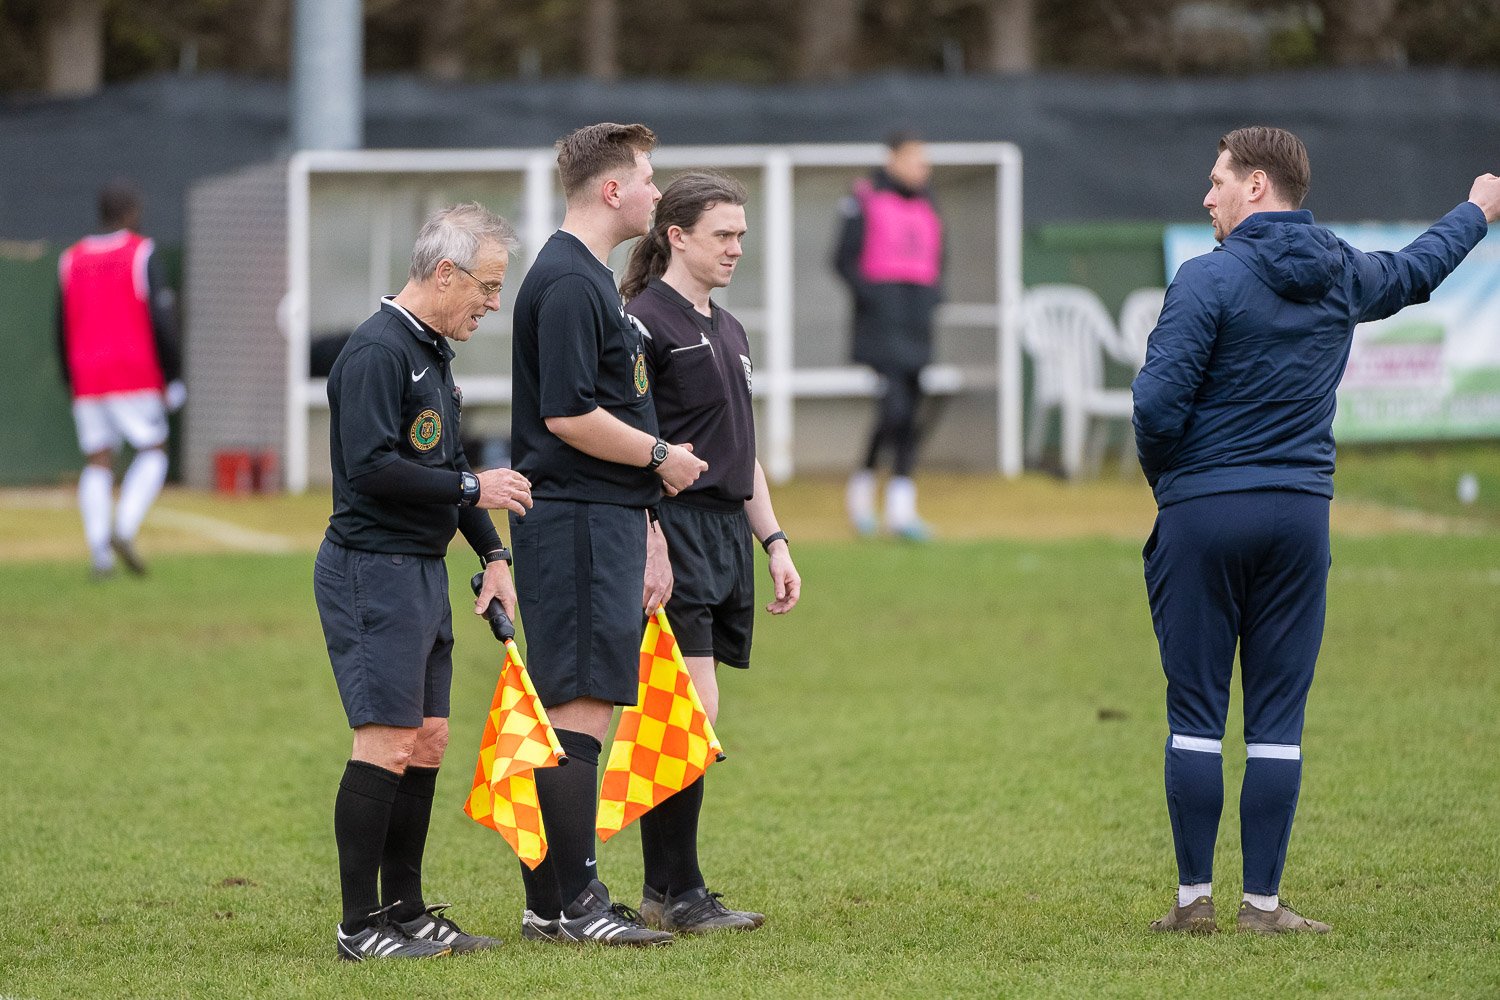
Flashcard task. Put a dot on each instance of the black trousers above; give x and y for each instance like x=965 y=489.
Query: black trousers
x=896 y=421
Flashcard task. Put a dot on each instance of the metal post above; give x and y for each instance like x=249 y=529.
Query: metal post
x=537 y=226
x=779 y=321
x=295 y=322
x=381 y=226
x=1008 y=266
x=327 y=75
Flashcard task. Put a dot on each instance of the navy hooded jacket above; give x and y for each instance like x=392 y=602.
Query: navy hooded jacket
x=1237 y=392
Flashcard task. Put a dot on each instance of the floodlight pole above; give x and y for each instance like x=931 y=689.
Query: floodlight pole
x=328 y=75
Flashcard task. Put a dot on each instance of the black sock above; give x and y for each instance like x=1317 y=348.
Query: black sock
x=654 y=852
x=361 y=814
x=669 y=842
x=405 y=840
x=542 y=897
x=569 y=798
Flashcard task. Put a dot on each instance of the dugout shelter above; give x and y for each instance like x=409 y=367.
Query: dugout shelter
x=283 y=259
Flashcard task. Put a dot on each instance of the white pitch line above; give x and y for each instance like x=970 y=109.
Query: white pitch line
x=223 y=532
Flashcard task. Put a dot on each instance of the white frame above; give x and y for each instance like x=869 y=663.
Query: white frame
x=776 y=380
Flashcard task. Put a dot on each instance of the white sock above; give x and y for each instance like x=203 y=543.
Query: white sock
x=1267 y=903
x=96 y=485
x=859 y=497
x=1188 y=893
x=900 y=502
x=138 y=490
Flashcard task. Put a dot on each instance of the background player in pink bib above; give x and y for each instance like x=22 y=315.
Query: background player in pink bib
x=118 y=347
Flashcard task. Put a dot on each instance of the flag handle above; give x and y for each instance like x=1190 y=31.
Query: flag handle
x=505 y=631
x=500 y=622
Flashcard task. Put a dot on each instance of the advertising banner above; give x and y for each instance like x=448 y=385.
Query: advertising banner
x=1430 y=371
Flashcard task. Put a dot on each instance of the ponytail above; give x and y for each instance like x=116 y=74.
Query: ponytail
x=648 y=259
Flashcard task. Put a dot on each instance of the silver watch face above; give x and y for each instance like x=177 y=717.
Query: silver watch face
x=659 y=452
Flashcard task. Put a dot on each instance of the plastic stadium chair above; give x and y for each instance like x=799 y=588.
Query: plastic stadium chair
x=1066 y=330
x=1138 y=316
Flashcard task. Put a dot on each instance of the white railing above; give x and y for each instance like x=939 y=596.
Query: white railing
x=778 y=382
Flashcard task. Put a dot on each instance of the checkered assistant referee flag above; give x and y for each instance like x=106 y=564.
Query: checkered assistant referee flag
x=664 y=741
x=517 y=739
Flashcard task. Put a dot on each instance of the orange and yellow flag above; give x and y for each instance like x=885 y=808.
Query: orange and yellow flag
x=517 y=739
x=664 y=741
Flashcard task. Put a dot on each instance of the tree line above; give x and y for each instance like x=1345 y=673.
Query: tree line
x=74 y=46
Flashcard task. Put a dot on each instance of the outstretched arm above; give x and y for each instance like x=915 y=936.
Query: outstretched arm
x=1389 y=282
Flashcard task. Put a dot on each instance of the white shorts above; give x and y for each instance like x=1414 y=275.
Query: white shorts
x=105 y=421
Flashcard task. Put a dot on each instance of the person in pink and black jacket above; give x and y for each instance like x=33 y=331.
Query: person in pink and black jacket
x=890 y=253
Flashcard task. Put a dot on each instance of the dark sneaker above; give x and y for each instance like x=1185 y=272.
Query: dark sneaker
x=534 y=928
x=431 y=925
x=699 y=911
x=593 y=918
x=1282 y=920
x=128 y=555
x=653 y=905
x=385 y=938
x=1195 y=918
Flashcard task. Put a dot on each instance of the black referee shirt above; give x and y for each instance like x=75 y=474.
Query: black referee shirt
x=701 y=372
x=392 y=397
x=574 y=351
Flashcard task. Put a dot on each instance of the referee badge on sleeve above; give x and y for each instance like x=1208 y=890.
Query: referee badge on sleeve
x=426 y=430
x=642 y=383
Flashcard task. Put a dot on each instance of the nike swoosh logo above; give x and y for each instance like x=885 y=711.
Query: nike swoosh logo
x=417 y=378
x=590 y=863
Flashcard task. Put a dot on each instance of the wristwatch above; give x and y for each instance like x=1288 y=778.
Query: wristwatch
x=468 y=489
x=772 y=538
x=658 y=455
x=502 y=554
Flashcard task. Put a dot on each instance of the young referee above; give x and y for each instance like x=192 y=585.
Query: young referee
x=584 y=433
x=699 y=359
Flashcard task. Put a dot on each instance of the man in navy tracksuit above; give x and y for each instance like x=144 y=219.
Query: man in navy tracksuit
x=1233 y=421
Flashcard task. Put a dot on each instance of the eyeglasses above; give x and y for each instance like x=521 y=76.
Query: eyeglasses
x=490 y=289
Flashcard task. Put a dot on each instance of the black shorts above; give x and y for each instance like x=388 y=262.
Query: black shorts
x=712 y=609
x=580 y=573
x=389 y=628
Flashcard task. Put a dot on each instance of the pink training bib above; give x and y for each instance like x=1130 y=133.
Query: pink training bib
x=903 y=238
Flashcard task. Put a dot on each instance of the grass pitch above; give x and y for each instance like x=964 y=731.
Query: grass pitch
x=944 y=779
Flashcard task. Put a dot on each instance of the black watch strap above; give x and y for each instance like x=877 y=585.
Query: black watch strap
x=658 y=455
x=468 y=489
x=775 y=536
x=502 y=554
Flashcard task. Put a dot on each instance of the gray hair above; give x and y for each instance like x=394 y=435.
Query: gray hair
x=456 y=233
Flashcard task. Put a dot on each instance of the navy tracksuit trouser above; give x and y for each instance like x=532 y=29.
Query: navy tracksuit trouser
x=1249 y=571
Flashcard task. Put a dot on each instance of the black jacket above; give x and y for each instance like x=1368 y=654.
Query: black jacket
x=892 y=321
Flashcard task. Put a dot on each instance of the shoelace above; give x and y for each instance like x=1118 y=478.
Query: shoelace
x=707 y=906
x=627 y=914
x=435 y=911
x=381 y=920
